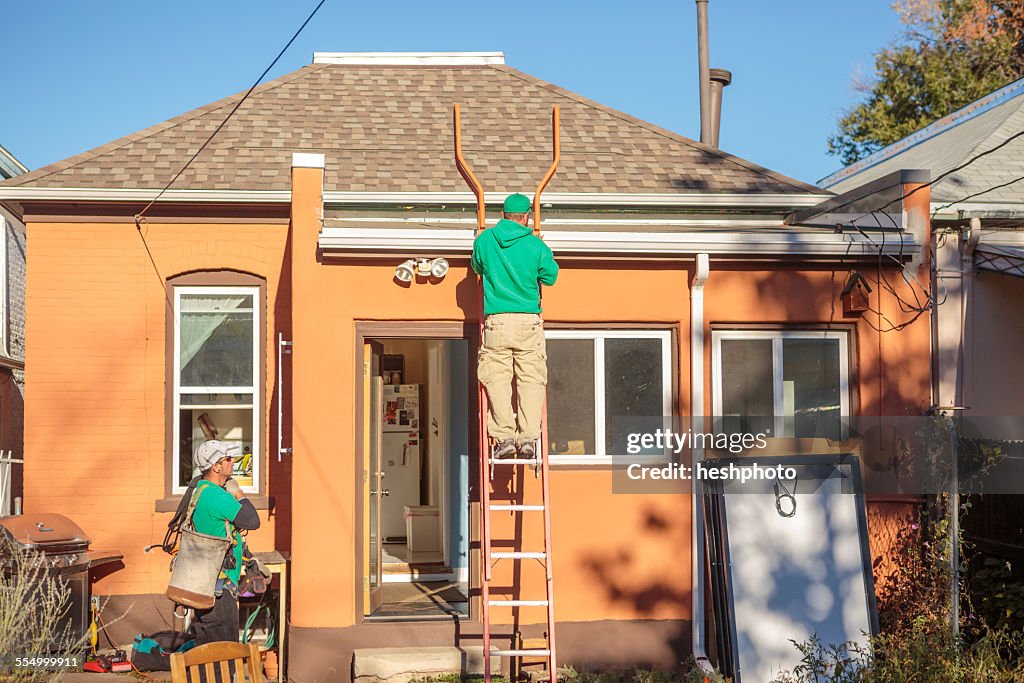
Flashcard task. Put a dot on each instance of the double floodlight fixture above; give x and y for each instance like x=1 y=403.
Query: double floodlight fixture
x=435 y=268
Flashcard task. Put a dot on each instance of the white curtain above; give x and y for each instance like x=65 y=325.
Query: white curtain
x=196 y=329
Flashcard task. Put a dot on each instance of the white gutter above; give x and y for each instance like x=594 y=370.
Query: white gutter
x=697 y=199
x=702 y=268
x=773 y=242
x=89 y=194
x=443 y=222
x=946 y=211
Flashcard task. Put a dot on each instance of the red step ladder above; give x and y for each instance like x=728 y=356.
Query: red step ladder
x=488 y=556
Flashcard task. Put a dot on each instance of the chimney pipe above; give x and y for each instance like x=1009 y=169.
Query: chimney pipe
x=704 y=75
x=719 y=79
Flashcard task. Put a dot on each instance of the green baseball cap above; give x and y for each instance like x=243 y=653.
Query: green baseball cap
x=517 y=203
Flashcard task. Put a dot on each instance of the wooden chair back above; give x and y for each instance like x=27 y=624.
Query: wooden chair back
x=213 y=659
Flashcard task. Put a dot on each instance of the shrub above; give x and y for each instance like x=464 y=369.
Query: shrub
x=33 y=603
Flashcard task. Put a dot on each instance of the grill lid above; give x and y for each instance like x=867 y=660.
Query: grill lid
x=46 y=531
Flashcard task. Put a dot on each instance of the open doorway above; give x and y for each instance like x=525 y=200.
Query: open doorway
x=418 y=524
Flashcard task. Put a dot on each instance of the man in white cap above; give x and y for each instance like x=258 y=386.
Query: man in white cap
x=219 y=499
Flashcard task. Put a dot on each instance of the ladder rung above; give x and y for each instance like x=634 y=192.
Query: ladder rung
x=517 y=555
x=516 y=508
x=515 y=461
x=521 y=653
x=517 y=603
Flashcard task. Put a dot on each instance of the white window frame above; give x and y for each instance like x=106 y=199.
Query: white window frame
x=253 y=391
x=777 y=337
x=668 y=385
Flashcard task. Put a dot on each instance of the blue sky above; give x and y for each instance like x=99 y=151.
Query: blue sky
x=79 y=74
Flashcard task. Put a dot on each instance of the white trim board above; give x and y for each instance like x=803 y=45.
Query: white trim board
x=410 y=58
x=776 y=243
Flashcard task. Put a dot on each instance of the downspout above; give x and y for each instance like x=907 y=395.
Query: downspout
x=702 y=268
x=971 y=239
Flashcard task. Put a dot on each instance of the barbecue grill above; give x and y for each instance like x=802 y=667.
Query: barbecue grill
x=64 y=550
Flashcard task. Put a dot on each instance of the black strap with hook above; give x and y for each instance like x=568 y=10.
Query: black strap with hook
x=786 y=495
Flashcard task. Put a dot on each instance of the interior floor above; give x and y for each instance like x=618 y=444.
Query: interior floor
x=398 y=554
x=423 y=598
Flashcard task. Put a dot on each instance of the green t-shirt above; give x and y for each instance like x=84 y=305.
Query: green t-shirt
x=214 y=507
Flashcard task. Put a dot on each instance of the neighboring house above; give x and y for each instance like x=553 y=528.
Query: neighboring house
x=977 y=209
x=12 y=344
x=147 y=338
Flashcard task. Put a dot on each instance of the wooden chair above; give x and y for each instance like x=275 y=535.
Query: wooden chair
x=186 y=666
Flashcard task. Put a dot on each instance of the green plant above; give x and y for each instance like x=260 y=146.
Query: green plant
x=997 y=593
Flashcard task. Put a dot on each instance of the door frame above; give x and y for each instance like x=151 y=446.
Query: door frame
x=416 y=329
x=437 y=364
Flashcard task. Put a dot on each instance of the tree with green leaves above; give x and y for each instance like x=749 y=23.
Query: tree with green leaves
x=950 y=53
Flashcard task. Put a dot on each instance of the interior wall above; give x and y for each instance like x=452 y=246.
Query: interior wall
x=417 y=371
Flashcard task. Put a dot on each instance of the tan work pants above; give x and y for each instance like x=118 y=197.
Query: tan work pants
x=513 y=346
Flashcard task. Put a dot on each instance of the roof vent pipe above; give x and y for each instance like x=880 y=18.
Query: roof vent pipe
x=704 y=75
x=719 y=79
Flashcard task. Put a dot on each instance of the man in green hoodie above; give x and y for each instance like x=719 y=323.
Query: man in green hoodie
x=513 y=263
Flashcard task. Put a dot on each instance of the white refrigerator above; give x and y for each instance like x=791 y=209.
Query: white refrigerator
x=400 y=457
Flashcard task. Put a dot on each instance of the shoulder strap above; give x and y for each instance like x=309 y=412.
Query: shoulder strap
x=179 y=514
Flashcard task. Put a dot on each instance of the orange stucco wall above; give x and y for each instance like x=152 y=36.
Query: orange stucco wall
x=96 y=395
x=96 y=412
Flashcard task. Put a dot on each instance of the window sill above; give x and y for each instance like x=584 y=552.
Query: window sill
x=170 y=504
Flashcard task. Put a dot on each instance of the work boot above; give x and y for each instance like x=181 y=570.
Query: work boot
x=528 y=450
x=505 y=448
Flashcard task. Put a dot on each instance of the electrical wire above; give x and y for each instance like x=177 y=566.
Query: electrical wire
x=942 y=175
x=139 y=216
x=134 y=668
x=977 y=194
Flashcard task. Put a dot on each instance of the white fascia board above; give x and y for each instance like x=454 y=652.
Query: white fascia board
x=87 y=194
x=410 y=58
x=364 y=241
x=1009 y=239
x=710 y=199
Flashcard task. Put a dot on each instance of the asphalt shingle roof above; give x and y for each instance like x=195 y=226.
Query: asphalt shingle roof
x=953 y=140
x=389 y=129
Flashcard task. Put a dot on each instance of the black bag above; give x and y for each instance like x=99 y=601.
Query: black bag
x=153 y=652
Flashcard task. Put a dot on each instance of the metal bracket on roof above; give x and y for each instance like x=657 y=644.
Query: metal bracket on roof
x=467 y=173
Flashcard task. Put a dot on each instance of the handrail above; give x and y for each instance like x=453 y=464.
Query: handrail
x=556 y=156
x=467 y=173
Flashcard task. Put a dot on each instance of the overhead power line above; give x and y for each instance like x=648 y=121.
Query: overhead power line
x=139 y=216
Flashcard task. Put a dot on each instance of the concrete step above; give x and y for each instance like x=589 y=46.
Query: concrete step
x=403 y=664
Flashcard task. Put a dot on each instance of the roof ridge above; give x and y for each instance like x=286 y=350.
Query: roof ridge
x=161 y=127
x=658 y=130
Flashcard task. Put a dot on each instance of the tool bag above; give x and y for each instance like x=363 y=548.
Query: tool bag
x=195 y=568
x=153 y=652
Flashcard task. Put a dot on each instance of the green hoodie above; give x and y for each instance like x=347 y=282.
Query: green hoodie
x=512 y=260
